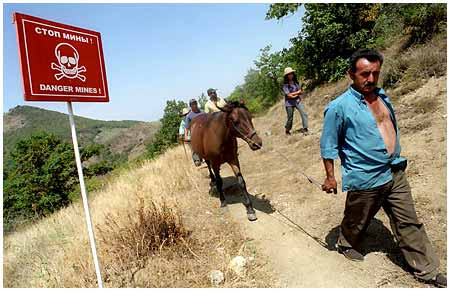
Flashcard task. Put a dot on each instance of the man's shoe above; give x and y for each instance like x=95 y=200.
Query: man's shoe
x=288 y=132
x=439 y=281
x=350 y=253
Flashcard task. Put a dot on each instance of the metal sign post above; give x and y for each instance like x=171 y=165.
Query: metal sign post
x=84 y=195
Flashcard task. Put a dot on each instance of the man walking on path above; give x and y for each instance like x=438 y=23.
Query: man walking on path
x=213 y=102
x=361 y=129
x=292 y=100
x=195 y=111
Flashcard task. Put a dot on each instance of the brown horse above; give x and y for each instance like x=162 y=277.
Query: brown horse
x=213 y=138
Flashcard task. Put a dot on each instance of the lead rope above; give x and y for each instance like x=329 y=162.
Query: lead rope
x=311 y=180
x=292 y=224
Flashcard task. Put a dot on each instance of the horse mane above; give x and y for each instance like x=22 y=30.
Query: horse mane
x=232 y=105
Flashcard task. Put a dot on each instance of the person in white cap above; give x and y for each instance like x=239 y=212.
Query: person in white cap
x=213 y=102
x=292 y=99
x=183 y=114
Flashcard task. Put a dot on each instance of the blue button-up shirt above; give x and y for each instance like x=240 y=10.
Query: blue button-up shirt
x=350 y=132
x=191 y=115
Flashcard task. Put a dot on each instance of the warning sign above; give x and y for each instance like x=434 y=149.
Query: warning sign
x=60 y=62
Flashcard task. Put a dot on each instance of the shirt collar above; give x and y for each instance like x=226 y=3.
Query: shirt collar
x=378 y=91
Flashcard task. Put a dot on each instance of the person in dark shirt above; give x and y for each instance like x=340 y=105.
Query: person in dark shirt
x=292 y=100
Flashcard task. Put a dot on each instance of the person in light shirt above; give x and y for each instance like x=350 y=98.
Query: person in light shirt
x=183 y=114
x=213 y=102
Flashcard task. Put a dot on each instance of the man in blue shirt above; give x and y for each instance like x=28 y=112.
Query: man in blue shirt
x=361 y=129
x=195 y=111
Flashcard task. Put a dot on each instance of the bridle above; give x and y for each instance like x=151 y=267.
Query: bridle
x=248 y=137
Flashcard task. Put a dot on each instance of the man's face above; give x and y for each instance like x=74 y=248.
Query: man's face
x=365 y=78
x=212 y=95
x=194 y=106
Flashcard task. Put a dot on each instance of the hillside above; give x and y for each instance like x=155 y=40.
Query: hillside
x=292 y=244
x=124 y=139
x=282 y=256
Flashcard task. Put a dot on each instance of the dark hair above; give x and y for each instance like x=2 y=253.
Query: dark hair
x=368 y=54
x=286 y=80
x=231 y=105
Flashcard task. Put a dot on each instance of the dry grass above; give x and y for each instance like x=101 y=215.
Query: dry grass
x=162 y=198
x=143 y=231
x=416 y=65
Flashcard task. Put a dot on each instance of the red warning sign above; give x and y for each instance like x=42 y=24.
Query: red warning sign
x=60 y=62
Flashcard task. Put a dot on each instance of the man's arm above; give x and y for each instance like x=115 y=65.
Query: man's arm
x=187 y=125
x=330 y=183
x=207 y=108
x=329 y=145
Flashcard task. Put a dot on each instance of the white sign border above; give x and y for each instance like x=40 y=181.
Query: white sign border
x=62 y=95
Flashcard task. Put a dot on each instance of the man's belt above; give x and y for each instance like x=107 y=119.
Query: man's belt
x=400 y=166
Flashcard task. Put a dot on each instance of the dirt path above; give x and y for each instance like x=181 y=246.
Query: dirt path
x=296 y=259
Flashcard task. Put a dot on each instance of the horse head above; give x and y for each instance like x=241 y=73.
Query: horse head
x=240 y=121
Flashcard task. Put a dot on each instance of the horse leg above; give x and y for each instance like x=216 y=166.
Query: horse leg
x=251 y=215
x=219 y=184
x=212 y=184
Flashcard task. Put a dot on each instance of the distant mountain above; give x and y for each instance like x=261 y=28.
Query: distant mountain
x=123 y=140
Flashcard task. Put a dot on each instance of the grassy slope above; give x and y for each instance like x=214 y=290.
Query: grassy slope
x=55 y=252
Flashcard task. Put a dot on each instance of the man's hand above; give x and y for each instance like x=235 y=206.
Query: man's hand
x=330 y=185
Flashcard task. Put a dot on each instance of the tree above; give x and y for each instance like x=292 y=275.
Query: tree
x=167 y=135
x=202 y=101
x=280 y=10
x=332 y=32
x=42 y=175
x=262 y=86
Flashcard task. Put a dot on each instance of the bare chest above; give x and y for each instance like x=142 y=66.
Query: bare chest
x=380 y=112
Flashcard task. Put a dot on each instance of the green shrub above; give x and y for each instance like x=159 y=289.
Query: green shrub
x=42 y=175
x=167 y=135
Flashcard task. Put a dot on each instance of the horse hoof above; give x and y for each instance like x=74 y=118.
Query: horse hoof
x=223 y=209
x=213 y=192
x=251 y=216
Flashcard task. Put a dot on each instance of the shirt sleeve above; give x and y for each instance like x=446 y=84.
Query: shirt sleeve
x=181 y=129
x=331 y=132
x=221 y=103
x=286 y=89
x=187 y=122
x=207 y=108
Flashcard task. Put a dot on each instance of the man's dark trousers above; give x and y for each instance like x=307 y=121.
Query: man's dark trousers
x=396 y=200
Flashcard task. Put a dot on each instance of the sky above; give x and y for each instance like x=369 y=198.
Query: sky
x=155 y=52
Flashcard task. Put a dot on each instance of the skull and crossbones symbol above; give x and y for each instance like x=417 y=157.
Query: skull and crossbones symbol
x=68 y=67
